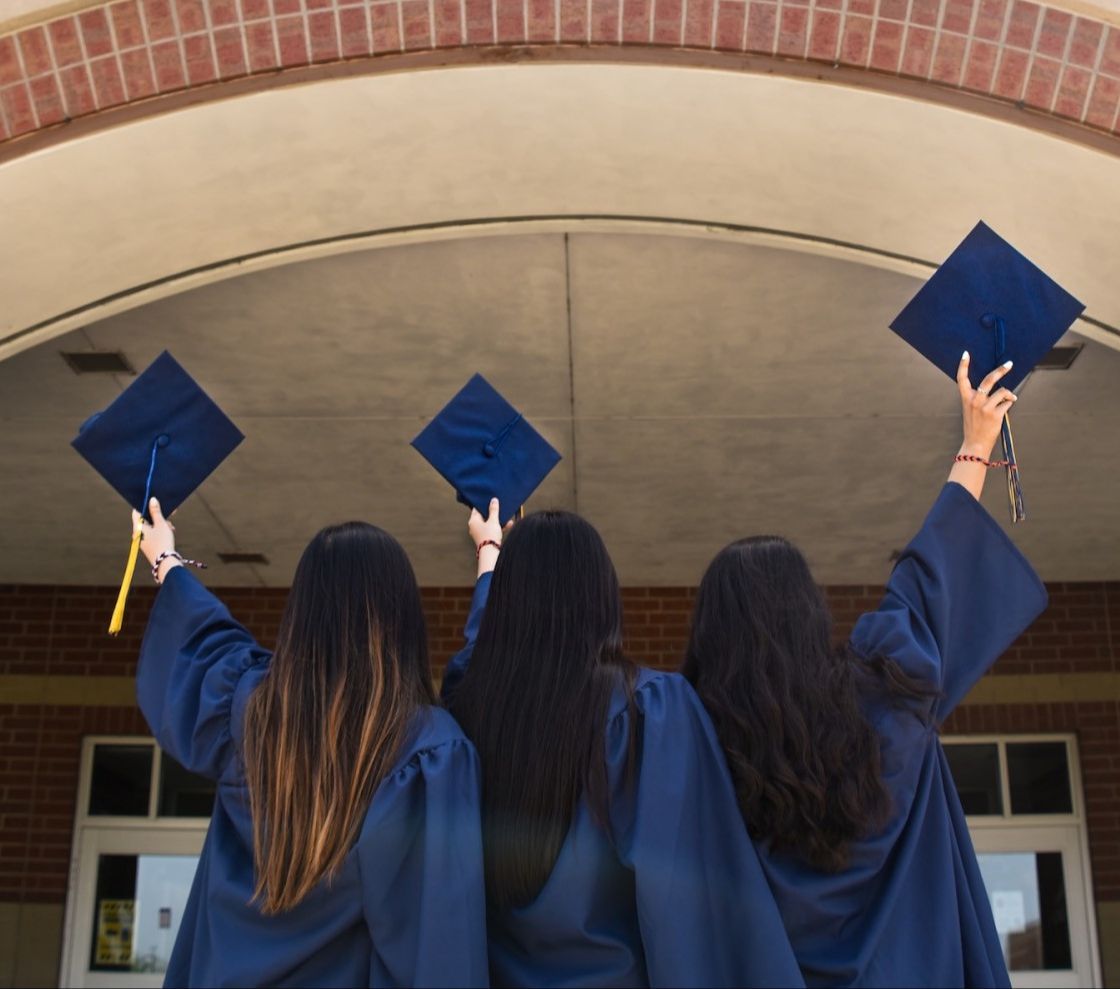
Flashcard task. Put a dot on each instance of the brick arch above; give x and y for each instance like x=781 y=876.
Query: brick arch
x=1003 y=54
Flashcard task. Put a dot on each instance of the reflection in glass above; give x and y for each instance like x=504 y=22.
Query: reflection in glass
x=181 y=793
x=1038 y=774
x=138 y=908
x=1028 y=898
x=975 y=771
x=121 y=781
x=163 y=883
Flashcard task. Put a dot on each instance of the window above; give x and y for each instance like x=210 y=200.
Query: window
x=141 y=822
x=1021 y=796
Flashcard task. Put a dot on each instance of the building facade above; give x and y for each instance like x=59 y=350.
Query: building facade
x=673 y=232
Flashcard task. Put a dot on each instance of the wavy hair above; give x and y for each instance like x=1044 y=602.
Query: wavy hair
x=326 y=724
x=787 y=704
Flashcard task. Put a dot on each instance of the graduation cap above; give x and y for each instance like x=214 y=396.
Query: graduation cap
x=988 y=299
x=485 y=448
x=161 y=437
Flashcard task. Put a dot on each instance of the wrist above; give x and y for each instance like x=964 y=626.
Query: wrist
x=167 y=561
x=165 y=566
x=487 y=555
x=973 y=448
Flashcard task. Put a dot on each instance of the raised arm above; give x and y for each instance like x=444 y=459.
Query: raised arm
x=486 y=533
x=192 y=662
x=961 y=592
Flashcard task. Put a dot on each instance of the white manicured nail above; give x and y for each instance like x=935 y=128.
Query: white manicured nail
x=1007 y=364
x=964 y=356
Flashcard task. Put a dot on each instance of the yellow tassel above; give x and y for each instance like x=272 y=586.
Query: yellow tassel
x=117 y=620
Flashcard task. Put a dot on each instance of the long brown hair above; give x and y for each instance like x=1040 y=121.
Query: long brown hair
x=328 y=721
x=788 y=706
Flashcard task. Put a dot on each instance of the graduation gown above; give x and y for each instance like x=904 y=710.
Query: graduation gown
x=673 y=894
x=912 y=910
x=407 y=908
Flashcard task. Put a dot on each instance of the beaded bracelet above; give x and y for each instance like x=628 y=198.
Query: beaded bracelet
x=486 y=542
x=968 y=457
x=169 y=554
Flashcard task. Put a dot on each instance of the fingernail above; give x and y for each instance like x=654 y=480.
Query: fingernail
x=964 y=356
x=1007 y=364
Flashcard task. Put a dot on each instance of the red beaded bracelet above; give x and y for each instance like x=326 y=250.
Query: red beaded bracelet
x=486 y=542
x=968 y=457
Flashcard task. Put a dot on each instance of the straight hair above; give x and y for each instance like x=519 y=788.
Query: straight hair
x=535 y=697
x=328 y=720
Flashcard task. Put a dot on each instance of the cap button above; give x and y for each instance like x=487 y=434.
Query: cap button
x=162 y=440
x=988 y=320
x=489 y=450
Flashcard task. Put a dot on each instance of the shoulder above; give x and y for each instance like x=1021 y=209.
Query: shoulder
x=655 y=693
x=434 y=732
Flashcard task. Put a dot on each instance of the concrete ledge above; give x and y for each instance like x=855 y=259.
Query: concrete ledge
x=68 y=691
x=1045 y=688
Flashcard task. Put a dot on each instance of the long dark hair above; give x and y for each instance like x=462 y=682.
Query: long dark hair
x=786 y=703
x=327 y=722
x=535 y=697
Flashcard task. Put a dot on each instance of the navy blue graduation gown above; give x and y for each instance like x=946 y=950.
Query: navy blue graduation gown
x=674 y=894
x=912 y=909
x=407 y=908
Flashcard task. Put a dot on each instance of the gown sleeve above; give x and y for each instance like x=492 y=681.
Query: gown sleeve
x=706 y=914
x=459 y=662
x=192 y=663
x=958 y=597
x=420 y=857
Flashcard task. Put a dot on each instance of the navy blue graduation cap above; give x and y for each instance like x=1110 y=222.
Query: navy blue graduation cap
x=485 y=448
x=988 y=299
x=161 y=437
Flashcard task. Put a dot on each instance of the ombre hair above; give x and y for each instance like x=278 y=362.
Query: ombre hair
x=329 y=719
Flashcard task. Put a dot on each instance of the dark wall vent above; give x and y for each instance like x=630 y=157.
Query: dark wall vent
x=243 y=558
x=1060 y=358
x=97 y=362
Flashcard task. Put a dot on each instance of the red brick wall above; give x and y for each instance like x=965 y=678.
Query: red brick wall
x=41 y=746
x=61 y=631
x=117 y=53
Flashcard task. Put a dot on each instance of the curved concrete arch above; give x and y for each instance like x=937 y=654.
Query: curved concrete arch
x=170 y=202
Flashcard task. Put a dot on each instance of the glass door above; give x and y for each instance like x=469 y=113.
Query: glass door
x=139 y=829
x=1022 y=797
x=1036 y=885
x=131 y=891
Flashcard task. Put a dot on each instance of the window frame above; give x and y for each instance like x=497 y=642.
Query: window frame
x=1008 y=818
x=149 y=830
x=984 y=829
x=82 y=816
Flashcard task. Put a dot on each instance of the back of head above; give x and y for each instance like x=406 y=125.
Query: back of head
x=786 y=703
x=328 y=721
x=535 y=697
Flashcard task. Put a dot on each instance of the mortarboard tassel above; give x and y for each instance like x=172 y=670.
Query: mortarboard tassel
x=1014 y=488
x=118 y=612
x=117 y=620
x=990 y=321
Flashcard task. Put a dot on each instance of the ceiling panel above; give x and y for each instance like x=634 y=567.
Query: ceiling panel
x=719 y=389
